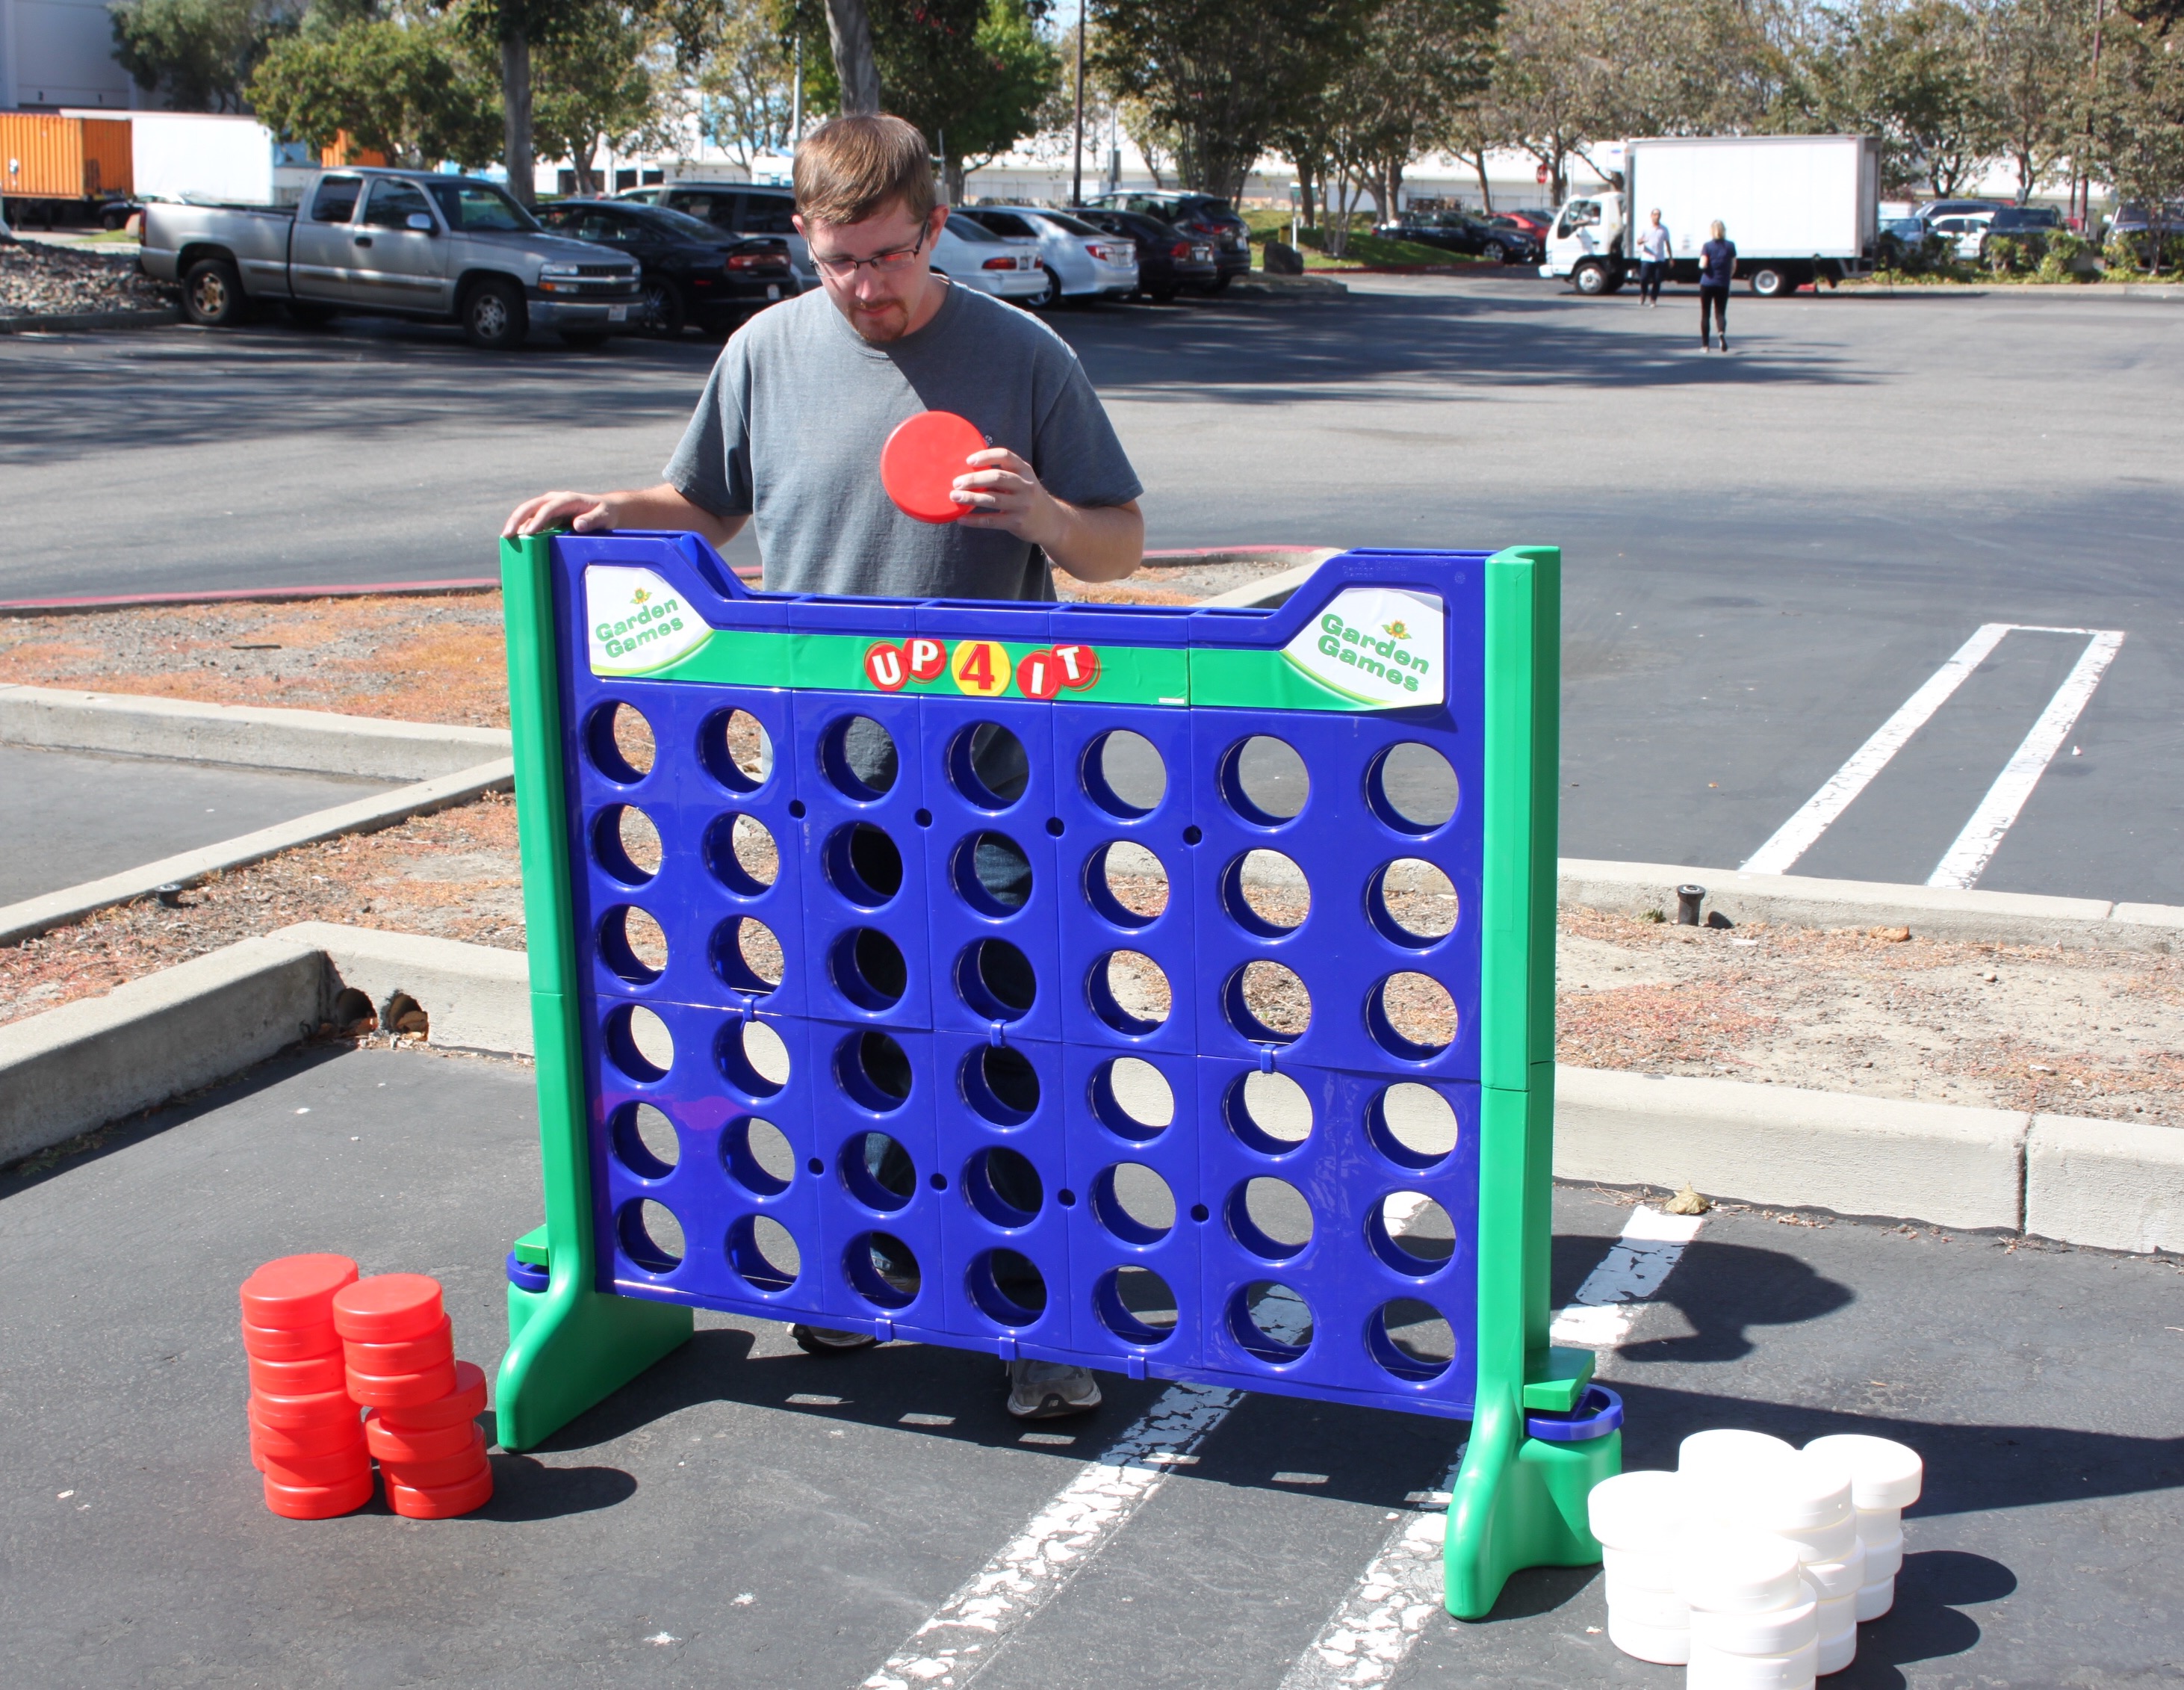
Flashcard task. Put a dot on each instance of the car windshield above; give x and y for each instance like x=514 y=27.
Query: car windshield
x=480 y=209
x=1073 y=226
x=965 y=230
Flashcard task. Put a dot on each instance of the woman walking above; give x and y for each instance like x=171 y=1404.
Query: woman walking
x=1717 y=269
x=1653 y=259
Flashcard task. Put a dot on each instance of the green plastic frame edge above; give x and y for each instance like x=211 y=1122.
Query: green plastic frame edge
x=569 y=1347
x=1519 y=1501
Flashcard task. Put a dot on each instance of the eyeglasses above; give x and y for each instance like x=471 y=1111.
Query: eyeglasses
x=885 y=264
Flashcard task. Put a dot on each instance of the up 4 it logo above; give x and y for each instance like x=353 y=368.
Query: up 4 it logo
x=981 y=668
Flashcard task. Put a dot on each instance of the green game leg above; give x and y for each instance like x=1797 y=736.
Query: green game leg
x=1519 y=1501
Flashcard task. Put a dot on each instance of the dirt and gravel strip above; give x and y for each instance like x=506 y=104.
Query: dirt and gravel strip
x=39 y=280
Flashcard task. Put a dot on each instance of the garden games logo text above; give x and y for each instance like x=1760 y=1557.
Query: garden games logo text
x=1375 y=644
x=637 y=623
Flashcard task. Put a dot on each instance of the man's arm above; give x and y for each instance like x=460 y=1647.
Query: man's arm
x=593 y=513
x=1091 y=542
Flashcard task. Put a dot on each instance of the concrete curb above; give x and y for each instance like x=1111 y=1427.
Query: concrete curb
x=2114 y=1184
x=475 y=997
x=1308 y=284
x=1634 y=889
x=77 y=322
x=320 y=741
x=1270 y=590
x=248 y=595
x=34 y=916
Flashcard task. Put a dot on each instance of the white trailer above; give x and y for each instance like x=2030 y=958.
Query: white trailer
x=1799 y=208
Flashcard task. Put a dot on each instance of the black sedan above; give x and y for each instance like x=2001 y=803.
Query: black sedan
x=1168 y=259
x=693 y=274
x=1458 y=232
x=1202 y=216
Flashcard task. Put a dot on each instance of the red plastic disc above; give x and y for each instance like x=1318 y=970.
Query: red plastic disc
x=449 y=1469
x=342 y=1467
x=292 y=1343
x=407 y=1355
x=388 y=1308
x=296 y=1290
x=318 y=1501
x=441 y=1501
x=465 y=1402
x=402 y=1390
x=311 y=1409
x=427 y=1444
x=297 y=1378
x=921 y=460
x=321 y=1437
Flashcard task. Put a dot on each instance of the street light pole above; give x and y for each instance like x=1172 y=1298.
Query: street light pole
x=1077 y=158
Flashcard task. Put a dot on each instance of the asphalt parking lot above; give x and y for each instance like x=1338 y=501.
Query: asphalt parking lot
x=747 y=1514
x=1769 y=554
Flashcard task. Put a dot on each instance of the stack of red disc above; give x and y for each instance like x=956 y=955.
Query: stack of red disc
x=304 y=1436
x=399 y=1349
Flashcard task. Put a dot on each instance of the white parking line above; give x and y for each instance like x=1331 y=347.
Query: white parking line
x=1965 y=861
x=1381 y=1619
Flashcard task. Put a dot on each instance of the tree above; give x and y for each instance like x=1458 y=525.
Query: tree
x=410 y=87
x=849 y=34
x=2137 y=126
x=599 y=85
x=1910 y=73
x=2033 y=53
x=746 y=77
x=513 y=28
x=200 y=52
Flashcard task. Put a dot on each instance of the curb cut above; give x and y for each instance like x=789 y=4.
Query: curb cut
x=2107 y=1184
x=78 y=322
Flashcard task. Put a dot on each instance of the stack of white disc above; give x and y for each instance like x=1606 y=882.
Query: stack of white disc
x=1638 y=1518
x=1885 y=1479
x=1804 y=1500
x=1754 y=1621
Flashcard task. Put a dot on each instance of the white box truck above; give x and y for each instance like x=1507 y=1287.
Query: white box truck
x=1799 y=208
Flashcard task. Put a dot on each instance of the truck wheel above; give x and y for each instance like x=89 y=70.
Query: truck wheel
x=1590 y=279
x=494 y=317
x=1769 y=283
x=212 y=293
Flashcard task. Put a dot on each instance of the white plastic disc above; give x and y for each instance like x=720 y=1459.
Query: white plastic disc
x=1825 y=1542
x=1810 y=1489
x=1718 y=1670
x=1837 y=1578
x=1778 y=1631
x=1668 y=1645
x=1884 y=1559
x=1883 y=1473
x=1874 y=1524
x=1662 y=1608
x=1836 y=1613
x=1640 y=1569
x=1836 y=1653
x=1737 y=1572
x=1875 y=1599
x=1637 y=1511
x=1712 y=1451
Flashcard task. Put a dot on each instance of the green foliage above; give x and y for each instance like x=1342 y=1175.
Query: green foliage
x=598 y=83
x=2063 y=259
x=413 y=89
x=2138 y=118
x=200 y=52
x=1909 y=73
x=746 y=70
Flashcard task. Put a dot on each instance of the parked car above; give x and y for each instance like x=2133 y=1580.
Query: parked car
x=1966 y=229
x=1533 y=223
x=2022 y=222
x=972 y=255
x=406 y=243
x=1204 y=216
x=1168 y=260
x=2133 y=223
x=691 y=273
x=1956 y=207
x=1080 y=262
x=744 y=208
x=1459 y=231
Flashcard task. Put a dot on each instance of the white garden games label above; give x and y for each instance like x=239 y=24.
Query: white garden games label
x=1375 y=644
x=637 y=623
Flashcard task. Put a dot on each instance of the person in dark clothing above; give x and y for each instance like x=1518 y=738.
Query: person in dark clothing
x=1716 y=268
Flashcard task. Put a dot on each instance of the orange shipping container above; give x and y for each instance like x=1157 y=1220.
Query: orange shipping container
x=64 y=158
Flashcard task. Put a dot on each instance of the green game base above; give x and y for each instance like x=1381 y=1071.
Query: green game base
x=1519 y=1501
x=570 y=1348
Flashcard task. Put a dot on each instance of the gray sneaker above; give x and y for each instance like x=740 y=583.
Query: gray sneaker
x=819 y=1340
x=1046 y=1390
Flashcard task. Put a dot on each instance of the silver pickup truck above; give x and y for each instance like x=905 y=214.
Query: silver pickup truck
x=394 y=243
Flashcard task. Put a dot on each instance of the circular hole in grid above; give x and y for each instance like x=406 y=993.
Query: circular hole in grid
x=645 y=1141
x=651 y=1235
x=1412 y=788
x=1001 y=1084
x=991 y=874
x=735 y=749
x=863 y=864
x=1412 y=1233
x=878 y=1171
x=1130 y=992
x=1412 y=902
x=867 y=968
x=1264 y=780
x=987 y=764
x=1134 y=1202
x=872 y=1071
x=1008 y=1286
x=1002 y=1184
x=751 y=1057
x=1126 y=884
x=1135 y=1304
x=1131 y=1098
x=881 y=1269
x=1413 y=1125
x=1267 y=1003
x=1265 y=892
x=747 y=955
x=1411 y=1340
x=619 y=740
x=1271 y=1321
x=1411 y=1016
x=1124 y=774
x=758 y=1155
x=1270 y=1112
x=1269 y=1218
x=632 y=944
x=764 y=1252
x=995 y=979
x=858 y=757
x=640 y=1044
x=740 y=853
x=625 y=844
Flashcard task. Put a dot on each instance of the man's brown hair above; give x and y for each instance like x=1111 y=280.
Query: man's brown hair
x=853 y=168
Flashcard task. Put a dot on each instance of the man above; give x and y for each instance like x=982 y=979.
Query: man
x=788 y=436
x=1716 y=269
x=1653 y=249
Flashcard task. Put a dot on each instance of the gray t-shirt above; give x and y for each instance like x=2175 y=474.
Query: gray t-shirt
x=798 y=407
